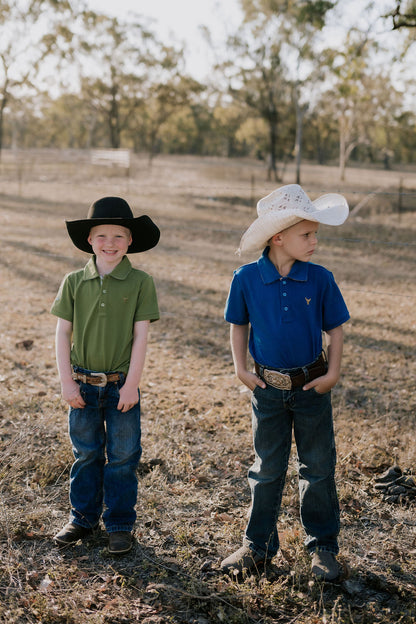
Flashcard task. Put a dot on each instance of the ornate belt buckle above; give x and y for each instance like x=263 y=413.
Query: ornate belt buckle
x=103 y=378
x=282 y=381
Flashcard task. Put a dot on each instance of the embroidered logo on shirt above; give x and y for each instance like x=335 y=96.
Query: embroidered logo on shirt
x=307 y=300
x=125 y=299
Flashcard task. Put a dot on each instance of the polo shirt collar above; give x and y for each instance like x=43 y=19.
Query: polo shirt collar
x=120 y=272
x=269 y=273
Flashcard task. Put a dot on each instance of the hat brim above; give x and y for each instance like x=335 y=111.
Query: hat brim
x=330 y=209
x=144 y=232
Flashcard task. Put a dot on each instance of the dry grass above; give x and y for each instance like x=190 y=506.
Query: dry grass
x=193 y=494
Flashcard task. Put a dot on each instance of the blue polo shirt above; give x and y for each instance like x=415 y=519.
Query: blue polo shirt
x=286 y=314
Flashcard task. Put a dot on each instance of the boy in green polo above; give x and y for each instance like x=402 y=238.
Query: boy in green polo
x=104 y=312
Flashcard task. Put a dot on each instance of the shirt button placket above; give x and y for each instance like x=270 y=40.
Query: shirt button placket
x=102 y=299
x=284 y=299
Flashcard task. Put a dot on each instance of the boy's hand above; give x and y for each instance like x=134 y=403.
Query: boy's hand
x=129 y=397
x=72 y=395
x=251 y=380
x=322 y=384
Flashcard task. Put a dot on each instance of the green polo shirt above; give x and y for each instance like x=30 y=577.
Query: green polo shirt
x=103 y=313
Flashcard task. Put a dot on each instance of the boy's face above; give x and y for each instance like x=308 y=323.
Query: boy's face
x=109 y=243
x=299 y=241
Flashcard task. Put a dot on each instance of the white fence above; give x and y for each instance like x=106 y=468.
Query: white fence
x=111 y=157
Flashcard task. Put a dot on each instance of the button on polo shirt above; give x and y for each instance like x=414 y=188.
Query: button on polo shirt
x=103 y=312
x=286 y=314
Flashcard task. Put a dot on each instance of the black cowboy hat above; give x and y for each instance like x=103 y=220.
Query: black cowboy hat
x=115 y=211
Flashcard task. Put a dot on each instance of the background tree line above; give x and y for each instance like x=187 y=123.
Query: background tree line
x=74 y=78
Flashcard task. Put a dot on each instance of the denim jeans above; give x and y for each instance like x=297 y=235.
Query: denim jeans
x=106 y=447
x=275 y=413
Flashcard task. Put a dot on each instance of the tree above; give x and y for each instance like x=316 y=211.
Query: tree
x=64 y=122
x=277 y=36
x=256 y=81
x=362 y=96
x=114 y=58
x=162 y=101
x=403 y=18
x=131 y=81
x=23 y=48
x=321 y=137
x=353 y=107
x=227 y=122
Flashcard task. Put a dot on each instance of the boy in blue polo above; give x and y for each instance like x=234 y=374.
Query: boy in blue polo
x=278 y=308
x=104 y=312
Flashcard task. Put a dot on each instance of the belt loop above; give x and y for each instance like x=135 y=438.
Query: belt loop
x=306 y=373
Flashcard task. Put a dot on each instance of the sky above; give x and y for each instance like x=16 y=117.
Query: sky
x=180 y=20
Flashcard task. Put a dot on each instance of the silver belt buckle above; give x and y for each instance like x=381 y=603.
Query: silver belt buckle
x=103 y=378
x=282 y=381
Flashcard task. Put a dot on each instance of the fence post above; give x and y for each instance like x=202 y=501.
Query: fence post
x=252 y=185
x=399 y=203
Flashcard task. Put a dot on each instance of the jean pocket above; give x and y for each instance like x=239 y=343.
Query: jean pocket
x=319 y=394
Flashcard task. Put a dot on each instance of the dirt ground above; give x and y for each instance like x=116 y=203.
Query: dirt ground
x=193 y=493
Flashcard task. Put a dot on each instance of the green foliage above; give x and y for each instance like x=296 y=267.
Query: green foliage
x=404 y=16
x=312 y=12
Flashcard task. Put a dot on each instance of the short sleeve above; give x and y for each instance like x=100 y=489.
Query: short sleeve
x=335 y=311
x=147 y=308
x=236 y=311
x=63 y=306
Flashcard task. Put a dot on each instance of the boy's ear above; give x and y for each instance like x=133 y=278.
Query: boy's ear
x=276 y=239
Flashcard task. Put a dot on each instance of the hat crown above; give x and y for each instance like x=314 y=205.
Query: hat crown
x=110 y=208
x=289 y=197
x=285 y=207
x=114 y=211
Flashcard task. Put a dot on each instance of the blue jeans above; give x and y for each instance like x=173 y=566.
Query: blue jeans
x=106 y=447
x=275 y=412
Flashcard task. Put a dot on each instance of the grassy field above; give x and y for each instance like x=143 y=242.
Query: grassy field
x=193 y=493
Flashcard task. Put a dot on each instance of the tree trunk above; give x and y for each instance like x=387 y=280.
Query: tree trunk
x=2 y=107
x=342 y=149
x=114 y=119
x=300 y=113
x=272 y=167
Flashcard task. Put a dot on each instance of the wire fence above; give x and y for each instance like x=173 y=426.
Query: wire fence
x=401 y=200
x=202 y=274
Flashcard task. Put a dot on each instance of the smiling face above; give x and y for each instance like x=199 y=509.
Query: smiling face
x=109 y=243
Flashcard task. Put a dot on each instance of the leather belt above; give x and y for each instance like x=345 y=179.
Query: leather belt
x=293 y=378
x=96 y=379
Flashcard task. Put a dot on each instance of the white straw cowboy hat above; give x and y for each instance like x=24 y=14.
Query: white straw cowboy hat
x=286 y=206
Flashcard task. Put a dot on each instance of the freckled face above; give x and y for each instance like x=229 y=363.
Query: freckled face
x=109 y=242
